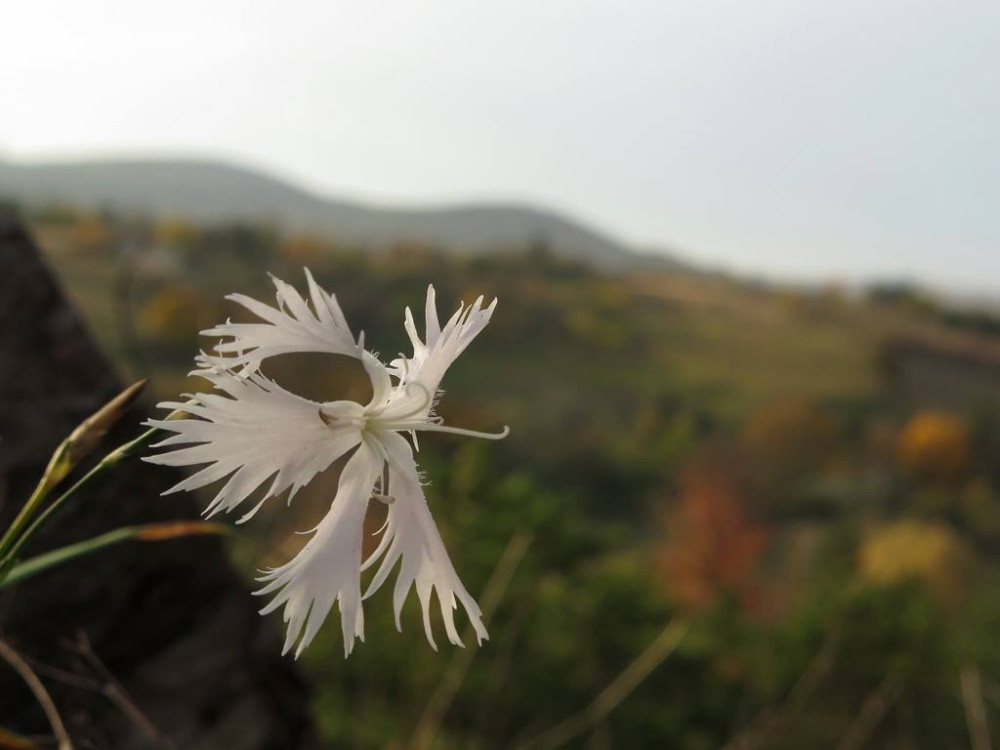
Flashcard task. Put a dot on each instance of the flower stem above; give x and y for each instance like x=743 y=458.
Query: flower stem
x=619 y=689
x=110 y=461
x=70 y=452
x=153 y=532
x=22 y=520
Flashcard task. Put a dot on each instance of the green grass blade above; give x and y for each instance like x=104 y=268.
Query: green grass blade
x=154 y=532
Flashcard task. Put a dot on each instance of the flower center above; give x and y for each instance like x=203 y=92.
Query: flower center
x=402 y=414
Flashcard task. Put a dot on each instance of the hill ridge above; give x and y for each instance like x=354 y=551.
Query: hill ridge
x=211 y=190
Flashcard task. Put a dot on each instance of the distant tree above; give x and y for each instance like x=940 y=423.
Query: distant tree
x=247 y=243
x=978 y=321
x=789 y=438
x=174 y=315
x=539 y=249
x=301 y=249
x=408 y=257
x=55 y=214
x=91 y=233
x=902 y=294
x=176 y=233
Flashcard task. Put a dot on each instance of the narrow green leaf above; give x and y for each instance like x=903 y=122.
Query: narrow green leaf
x=153 y=532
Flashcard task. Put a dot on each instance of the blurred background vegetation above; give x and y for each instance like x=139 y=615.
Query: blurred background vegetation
x=806 y=480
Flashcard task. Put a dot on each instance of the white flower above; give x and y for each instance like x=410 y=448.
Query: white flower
x=251 y=429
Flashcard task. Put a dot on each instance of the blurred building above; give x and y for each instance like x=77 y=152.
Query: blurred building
x=958 y=371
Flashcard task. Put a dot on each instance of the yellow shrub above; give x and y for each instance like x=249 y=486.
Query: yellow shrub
x=174 y=315
x=916 y=550
x=933 y=445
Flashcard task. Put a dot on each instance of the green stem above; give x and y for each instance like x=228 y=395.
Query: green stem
x=80 y=442
x=47 y=560
x=28 y=510
x=108 y=462
x=154 y=532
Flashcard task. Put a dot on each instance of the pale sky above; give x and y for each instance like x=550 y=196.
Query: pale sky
x=804 y=139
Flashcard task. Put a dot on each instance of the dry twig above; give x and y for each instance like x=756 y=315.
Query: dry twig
x=438 y=704
x=19 y=665
x=619 y=689
x=878 y=702
x=975 y=710
x=113 y=690
x=771 y=723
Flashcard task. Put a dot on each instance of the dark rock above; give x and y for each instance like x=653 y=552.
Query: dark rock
x=172 y=622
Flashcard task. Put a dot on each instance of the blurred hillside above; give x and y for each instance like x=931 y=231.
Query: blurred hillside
x=208 y=191
x=809 y=479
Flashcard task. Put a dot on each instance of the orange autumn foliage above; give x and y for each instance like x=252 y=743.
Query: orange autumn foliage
x=713 y=544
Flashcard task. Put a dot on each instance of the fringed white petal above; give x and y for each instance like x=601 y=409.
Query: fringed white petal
x=255 y=431
x=442 y=346
x=411 y=538
x=379 y=376
x=291 y=327
x=328 y=568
